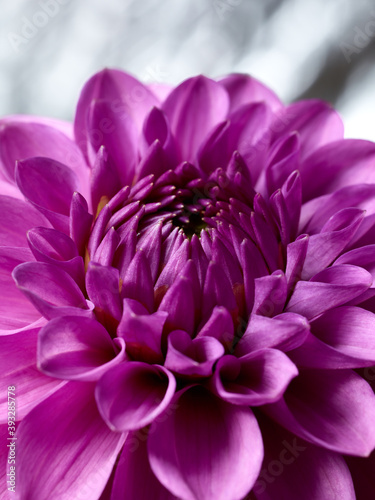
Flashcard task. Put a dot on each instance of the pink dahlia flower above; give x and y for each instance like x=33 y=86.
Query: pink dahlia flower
x=187 y=299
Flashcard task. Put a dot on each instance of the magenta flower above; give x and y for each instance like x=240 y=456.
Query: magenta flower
x=187 y=299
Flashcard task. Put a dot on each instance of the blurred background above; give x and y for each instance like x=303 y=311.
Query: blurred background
x=300 y=48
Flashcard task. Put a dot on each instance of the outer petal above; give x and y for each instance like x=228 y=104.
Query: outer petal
x=243 y=89
x=17 y=217
x=77 y=348
x=193 y=109
x=206 y=448
x=15 y=310
x=18 y=368
x=134 y=477
x=339 y=164
x=133 y=394
x=332 y=287
x=123 y=91
x=20 y=140
x=84 y=449
x=330 y=408
x=316 y=122
x=341 y=338
x=49 y=186
x=294 y=469
x=51 y=290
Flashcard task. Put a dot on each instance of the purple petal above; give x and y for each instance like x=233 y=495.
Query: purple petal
x=256 y=379
x=316 y=212
x=17 y=217
x=270 y=294
x=118 y=136
x=335 y=235
x=194 y=358
x=341 y=338
x=68 y=423
x=330 y=288
x=105 y=180
x=243 y=89
x=193 y=109
x=219 y=326
x=20 y=140
x=206 y=448
x=102 y=285
x=134 y=477
x=124 y=92
x=295 y=258
x=316 y=122
x=283 y=160
x=18 y=367
x=50 y=289
x=16 y=312
x=142 y=331
x=75 y=348
x=49 y=186
x=80 y=222
x=330 y=408
x=294 y=469
x=285 y=332
x=339 y=164
x=132 y=395
x=54 y=247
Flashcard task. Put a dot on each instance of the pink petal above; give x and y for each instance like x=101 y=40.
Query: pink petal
x=134 y=477
x=131 y=395
x=334 y=236
x=51 y=290
x=206 y=448
x=339 y=164
x=119 y=138
x=193 y=109
x=285 y=332
x=243 y=89
x=332 y=287
x=142 y=331
x=18 y=368
x=49 y=186
x=330 y=408
x=84 y=449
x=17 y=217
x=256 y=379
x=21 y=140
x=316 y=122
x=340 y=338
x=294 y=469
x=77 y=348
x=124 y=92
x=194 y=358
x=16 y=311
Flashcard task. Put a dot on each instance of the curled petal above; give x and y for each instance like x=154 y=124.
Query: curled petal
x=131 y=395
x=256 y=379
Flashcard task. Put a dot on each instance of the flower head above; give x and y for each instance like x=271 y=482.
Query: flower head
x=187 y=300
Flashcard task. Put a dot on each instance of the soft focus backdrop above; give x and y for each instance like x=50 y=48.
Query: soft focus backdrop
x=300 y=48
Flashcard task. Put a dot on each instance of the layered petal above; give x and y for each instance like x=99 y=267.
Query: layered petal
x=85 y=449
x=206 y=448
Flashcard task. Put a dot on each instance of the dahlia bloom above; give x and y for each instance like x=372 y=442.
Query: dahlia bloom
x=187 y=298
